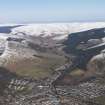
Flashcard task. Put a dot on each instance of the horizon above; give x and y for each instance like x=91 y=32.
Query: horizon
x=51 y=11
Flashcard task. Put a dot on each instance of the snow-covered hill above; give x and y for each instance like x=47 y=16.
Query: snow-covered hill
x=56 y=31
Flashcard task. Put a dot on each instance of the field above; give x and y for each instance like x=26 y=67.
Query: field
x=36 y=67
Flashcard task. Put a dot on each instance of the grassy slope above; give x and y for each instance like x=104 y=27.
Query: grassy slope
x=37 y=67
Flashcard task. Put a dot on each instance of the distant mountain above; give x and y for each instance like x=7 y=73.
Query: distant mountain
x=56 y=31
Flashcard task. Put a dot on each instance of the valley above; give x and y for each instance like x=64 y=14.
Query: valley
x=53 y=64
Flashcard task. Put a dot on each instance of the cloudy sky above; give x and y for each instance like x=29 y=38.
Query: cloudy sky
x=28 y=11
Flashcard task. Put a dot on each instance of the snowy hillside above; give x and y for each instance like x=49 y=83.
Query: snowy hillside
x=57 y=31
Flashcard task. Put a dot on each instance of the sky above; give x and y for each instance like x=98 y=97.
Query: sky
x=29 y=11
